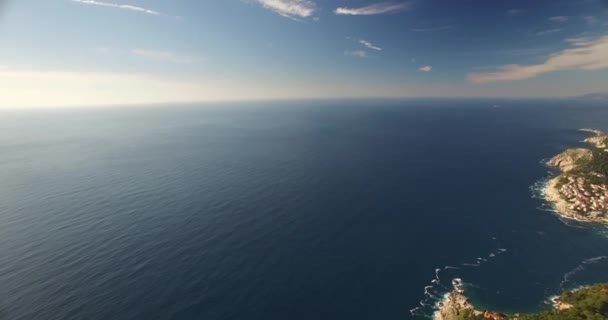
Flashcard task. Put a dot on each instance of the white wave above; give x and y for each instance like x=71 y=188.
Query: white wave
x=581 y=267
x=471 y=264
x=604 y=232
x=538 y=188
x=437 y=270
x=435 y=292
x=427 y=292
x=538 y=192
x=545 y=163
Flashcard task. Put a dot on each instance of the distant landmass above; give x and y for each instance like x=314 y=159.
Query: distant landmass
x=594 y=96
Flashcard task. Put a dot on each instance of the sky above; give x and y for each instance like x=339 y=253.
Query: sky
x=116 y=52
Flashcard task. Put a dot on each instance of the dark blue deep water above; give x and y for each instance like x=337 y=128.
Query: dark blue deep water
x=287 y=210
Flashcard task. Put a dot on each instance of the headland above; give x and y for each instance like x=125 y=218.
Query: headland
x=580 y=192
x=583 y=303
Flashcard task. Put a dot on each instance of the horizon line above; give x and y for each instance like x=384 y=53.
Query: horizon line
x=274 y=100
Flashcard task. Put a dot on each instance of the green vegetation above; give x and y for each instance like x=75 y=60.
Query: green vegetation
x=467 y=315
x=563 y=179
x=598 y=164
x=586 y=304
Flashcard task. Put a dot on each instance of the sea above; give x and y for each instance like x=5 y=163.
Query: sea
x=320 y=209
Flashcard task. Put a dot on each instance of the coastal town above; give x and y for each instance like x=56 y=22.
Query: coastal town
x=587 y=199
x=581 y=190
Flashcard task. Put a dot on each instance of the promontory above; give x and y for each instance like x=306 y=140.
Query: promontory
x=583 y=303
x=581 y=190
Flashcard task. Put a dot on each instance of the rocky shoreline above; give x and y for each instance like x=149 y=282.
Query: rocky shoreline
x=575 y=304
x=568 y=161
x=454 y=304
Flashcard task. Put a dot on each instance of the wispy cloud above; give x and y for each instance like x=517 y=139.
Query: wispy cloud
x=524 y=52
x=514 y=12
x=426 y=69
x=591 y=19
x=162 y=56
x=559 y=19
x=373 y=9
x=119 y=6
x=290 y=8
x=356 y=53
x=432 y=29
x=369 y=45
x=578 y=41
x=546 y=32
x=586 y=54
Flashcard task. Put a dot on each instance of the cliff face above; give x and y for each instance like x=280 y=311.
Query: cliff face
x=598 y=141
x=454 y=307
x=566 y=160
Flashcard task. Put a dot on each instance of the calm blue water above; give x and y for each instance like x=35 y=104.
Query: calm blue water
x=293 y=210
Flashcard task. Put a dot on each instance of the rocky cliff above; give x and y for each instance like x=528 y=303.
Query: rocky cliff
x=566 y=160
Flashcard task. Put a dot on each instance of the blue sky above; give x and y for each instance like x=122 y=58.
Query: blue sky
x=95 y=52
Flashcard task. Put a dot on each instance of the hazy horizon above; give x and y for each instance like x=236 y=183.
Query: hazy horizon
x=288 y=101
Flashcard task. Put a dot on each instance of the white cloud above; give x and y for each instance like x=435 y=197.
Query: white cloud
x=514 y=12
x=290 y=8
x=426 y=69
x=550 y=31
x=585 y=55
x=373 y=9
x=162 y=56
x=369 y=45
x=357 y=53
x=432 y=29
x=591 y=19
x=119 y=6
x=558 y=19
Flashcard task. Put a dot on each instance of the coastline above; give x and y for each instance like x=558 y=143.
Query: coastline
x=578 y=186
x=455 y=305
x=452 y=306
x=567 y=161
x=560 y=205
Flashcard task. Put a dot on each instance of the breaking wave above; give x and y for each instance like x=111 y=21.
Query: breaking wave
x=568 y=276
x=437 y=290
